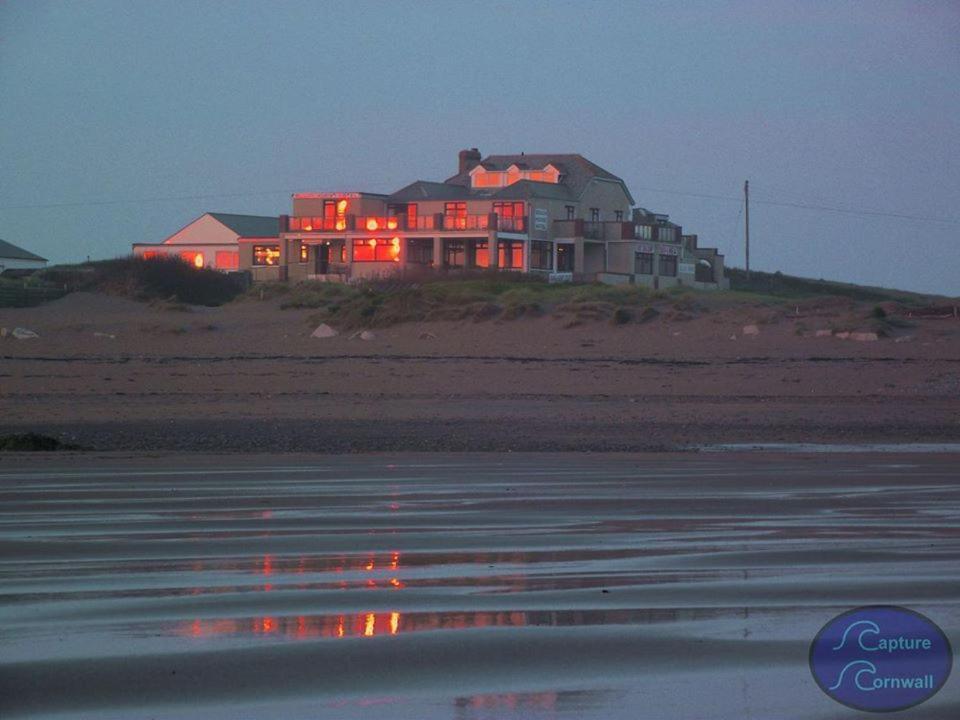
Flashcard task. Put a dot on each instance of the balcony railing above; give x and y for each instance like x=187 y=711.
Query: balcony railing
x=516 y=224
x=318 y=224
x=466 y=222
x=404 y=223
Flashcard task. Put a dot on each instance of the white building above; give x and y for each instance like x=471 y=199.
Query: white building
x=16 y=258
x=213 y=240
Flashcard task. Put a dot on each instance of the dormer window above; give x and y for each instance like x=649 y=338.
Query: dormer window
x=482 y=177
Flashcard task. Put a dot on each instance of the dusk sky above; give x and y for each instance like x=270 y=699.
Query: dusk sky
x=122 y=121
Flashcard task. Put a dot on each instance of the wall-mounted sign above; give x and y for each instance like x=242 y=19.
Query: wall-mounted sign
x=326 y=195
x=686 y=268
x=668 y=250
x=541 y=219
x=645 y=249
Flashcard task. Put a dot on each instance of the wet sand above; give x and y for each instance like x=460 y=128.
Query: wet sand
x=458 y=586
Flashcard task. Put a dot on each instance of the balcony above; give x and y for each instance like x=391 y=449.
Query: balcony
x=318 y=224
x=516 y=224
x=594 y=230
x=466 y=222
x=402 y=223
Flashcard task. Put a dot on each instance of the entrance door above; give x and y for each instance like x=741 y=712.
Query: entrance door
x=564 y=257
x=323 y=259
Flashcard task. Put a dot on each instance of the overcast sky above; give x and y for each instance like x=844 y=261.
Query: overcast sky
x=127 y=119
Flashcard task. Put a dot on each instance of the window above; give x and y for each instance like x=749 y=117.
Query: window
x=481 y=254
x=266 y=254
x=376 y=250
x=571 y=210
x=541 y=255
x=227 y=260
x=644 y=232
x=304 y=252
x=618 y=215
x=510 y=255
x=454 y=253
x=565 y=254
x=666 y=234
x=594 y=214
x=643 y=265
x=511 y=215
x=455 y=215
x=420 y=251
x=404 y=210
x=668 y=265
x=150 y=255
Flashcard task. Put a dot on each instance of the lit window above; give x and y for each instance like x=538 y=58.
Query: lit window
x=304 y=252
x=227 y=260
x=376 y=250
x=266 y=254
x=510 y=254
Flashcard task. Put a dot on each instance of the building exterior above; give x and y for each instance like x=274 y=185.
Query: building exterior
x=655 y=252
x=14 y=259
x=558 y=215
x=213 y=240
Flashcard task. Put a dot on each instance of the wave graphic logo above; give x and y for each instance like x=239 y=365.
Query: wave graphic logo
x=881 y=658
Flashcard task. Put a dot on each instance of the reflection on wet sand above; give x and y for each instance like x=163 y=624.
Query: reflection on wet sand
x=465 y=588
x=378 y=624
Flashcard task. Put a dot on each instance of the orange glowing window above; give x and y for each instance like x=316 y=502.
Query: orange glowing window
x=376 y=250
x=266 y=255
x=151 y=255
x=304 y=252
x=510 y=255
x=372 y=224
x=481 y=254
x=192 y=258
x=227 y=260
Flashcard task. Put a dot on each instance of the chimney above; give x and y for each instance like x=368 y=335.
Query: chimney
x=469 y=159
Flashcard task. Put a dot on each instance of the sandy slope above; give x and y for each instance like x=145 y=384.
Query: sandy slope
x=118 y=374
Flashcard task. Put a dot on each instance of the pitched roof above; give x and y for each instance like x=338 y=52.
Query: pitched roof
x=13 y=252
x=425 y=190
x=576 y=170
x=249 y=225
x=526 y=189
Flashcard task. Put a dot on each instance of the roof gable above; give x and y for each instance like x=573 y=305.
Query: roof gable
x=15 y=252
x=249 y=225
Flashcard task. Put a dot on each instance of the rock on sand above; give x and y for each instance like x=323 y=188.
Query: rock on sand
x=751 y=330
x=324 y=331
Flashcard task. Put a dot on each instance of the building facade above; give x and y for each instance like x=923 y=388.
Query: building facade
x=558 y=215
x=213 y=240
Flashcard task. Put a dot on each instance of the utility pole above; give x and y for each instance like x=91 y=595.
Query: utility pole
x=746 y=226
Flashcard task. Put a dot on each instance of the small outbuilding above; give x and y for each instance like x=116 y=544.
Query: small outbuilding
x=15 y=260
x=213 y=240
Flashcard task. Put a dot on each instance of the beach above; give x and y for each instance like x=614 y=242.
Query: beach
x=112 y=374
x=457 y=586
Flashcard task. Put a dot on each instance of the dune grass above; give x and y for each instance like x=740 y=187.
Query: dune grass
x=162 y=278
x=478 y=298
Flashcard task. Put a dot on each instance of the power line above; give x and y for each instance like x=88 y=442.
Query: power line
x=808 y=206
x=682 y=193
x=181 y=198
